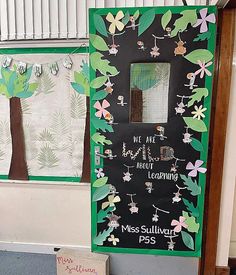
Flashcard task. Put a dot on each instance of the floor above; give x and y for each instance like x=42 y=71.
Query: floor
x=12 y=263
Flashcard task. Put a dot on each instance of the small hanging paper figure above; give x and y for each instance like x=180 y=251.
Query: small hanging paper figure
x=161 y=131
x=113 y=47
x=149 y=187
x=155 y=50
x=173 y=168
x=180 y=49
x=132 y=20
x=109 y=154
x=168 y=30
x=174 y=165
x=113 y=221
x=155 y=216
x=6 y=61
x=192 y=78
x=171 y=244
x=54 y=68
x=67 y=62
x=177 y=198
x=133 y=208
x=21 y=67
x=180 y=109
x=37 y=68
x=113 y=190
x=121 y=99
x=109 y=86
x=127 y=175
x=110 y=119
x=141 y=45
x=187 y=137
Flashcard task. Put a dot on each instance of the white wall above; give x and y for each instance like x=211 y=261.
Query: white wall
x=47 y=215
x=229 y=176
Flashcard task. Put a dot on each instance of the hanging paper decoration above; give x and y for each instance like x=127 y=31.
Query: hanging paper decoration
x=54 y=68
x=37 y=68
x=21 y=67
x=67 y=62
x=6 y=61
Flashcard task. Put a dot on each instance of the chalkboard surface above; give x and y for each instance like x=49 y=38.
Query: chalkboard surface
x=148 y=179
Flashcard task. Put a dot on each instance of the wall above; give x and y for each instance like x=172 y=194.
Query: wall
x=229 y=176
x=39 y=217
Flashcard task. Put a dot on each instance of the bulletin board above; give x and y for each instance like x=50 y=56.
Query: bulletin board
x=43 y=113
x=151 y=74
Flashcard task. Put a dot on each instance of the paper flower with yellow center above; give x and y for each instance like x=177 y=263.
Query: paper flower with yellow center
x=198 y=113
x=113 y=239
x=115 y=21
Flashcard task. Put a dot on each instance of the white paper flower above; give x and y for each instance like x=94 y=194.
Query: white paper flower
x=113 y=239
x=198 y=113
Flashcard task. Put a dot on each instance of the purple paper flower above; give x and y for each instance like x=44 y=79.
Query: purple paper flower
x=99 y=173
x=204 y=19
x=195 y=168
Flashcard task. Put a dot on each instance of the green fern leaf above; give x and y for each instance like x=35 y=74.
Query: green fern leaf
x=46 y=136
x=47 y=158
x=102 y=236
x=78 y=106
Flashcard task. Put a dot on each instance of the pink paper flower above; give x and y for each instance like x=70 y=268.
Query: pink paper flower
x=101 y=108
x=203 y=69
x=179 y=224
x=195 y=168
x=204 y=19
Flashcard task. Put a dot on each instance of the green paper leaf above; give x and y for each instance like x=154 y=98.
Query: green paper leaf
x=100 y=95
x=24 y=94
x=104 y=213
x=202 y=36
x=100 y=24
x=101 y=192
x=199 y=54
x=3 y=90
x=78 y=88
x=98 y=138
x=125 y=19
x=100 y=182
x=102 y=236
x=82 y=82
x=195 y=124
x=102 y=65
x=192 y=186
x=187 y=240
x=190 y=207
x=98 y=82
x=146 y=20
x=101 y=124
x=136 y=15
x=197 y=145
x=193 y=227
x=197 y=96
x=98 y=42
x=166 y=19
x=181 y=24
x=33 y=87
